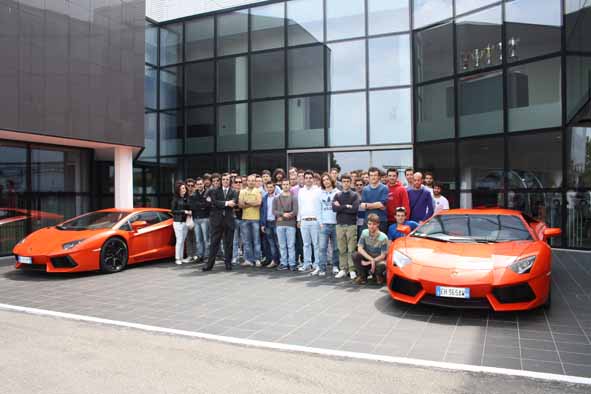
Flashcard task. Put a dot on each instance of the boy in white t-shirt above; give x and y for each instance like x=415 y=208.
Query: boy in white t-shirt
x=440 y=202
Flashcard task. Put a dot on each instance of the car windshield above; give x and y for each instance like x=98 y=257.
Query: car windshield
x=474 y=228
x=93 y=221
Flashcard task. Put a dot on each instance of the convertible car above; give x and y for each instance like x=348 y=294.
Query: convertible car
x=473 y=258
x=106 y=240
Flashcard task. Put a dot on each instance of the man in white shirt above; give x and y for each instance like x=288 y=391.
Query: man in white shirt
x=440 y=202
x=309 y=219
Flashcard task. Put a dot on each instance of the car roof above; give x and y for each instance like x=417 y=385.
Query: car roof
x=481 y=211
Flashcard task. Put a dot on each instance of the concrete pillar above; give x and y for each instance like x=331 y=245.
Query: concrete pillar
x=123 y=177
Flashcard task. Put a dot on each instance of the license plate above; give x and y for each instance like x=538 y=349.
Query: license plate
x=25 y=260
x=455 y=292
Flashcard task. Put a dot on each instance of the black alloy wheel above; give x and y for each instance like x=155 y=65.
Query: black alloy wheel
x=113 y=255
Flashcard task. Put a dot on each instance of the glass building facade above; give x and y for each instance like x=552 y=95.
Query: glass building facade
x=491 y=96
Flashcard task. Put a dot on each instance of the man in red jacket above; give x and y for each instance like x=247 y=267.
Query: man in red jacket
x=397 y=196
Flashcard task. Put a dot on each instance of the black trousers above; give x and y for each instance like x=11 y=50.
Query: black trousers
x=364 y=270
x=222 y=228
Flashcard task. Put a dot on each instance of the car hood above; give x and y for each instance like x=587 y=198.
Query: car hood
x=465 y=256
x=50 y=240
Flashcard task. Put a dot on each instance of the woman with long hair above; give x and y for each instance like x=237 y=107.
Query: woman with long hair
x=180 y=208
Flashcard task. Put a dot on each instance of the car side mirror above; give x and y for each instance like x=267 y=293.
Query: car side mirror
x=552 y=232
x=404 y=229
x=138 y=224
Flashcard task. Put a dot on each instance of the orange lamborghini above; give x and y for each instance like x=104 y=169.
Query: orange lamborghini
x=473 y=258
x=106 y=240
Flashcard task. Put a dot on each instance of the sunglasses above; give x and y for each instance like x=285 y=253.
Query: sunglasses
x=190 y=185
x=237 y=181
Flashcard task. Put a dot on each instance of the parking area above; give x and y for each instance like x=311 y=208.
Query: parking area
x=292 y=308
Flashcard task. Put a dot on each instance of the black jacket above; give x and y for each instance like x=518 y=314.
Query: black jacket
x=218 y=203
x=178 y=208
x=347 y=216
x=199 y=205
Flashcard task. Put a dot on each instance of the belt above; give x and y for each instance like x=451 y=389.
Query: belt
x=309 y=219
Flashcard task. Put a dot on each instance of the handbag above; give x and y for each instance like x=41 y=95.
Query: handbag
x=190 y=223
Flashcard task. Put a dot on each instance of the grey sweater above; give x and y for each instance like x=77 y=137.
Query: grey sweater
x=285 y=204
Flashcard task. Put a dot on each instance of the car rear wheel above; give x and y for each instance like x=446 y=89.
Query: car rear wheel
x=113 y=255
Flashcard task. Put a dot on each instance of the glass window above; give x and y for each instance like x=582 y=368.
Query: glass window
x=545 y=207
x=199 y=39
x=315 y=161
x=578 y=19
x=306 y=122
x=304 y=22
x=232 y=33
x=434 y=108
x=578 y=208
x=398 y=159
x=346 y=65
x=463 y=6
x=344 y=19
x=350 y=161
x=268 y=124
x=579 y=160
x=266 y=161
x=535 y=161
x=305 y=70
x=238 y=162
x=390 y=116
x=171 y=87
x=171 y=170
x=347 y=119
x=389 y=61
x=481 y=104
x=57 y=169
x=578 y=83
x=199 y=81
x=151 y=43
x=150 y=132
x=200 y=130
x=138 y=180
x=481 y=164
x=199 y=165
x=440 y=160
x=233 y=79
x=171 y=41
x=150 y=81
x=387 y=16
x=426 y=12
x=533 y=28
x=479 y=36
x=434 y=53
x=534 y=95
x=267 y=26
x=171 y=133
x=267 y=71
x=232 y=127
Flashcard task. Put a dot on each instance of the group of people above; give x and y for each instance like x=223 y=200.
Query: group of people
x=302 y=222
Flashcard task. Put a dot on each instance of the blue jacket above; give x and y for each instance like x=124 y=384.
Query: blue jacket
x=263 y=219
x=394 y=234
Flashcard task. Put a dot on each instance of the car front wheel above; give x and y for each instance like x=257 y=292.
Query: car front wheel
x=113 y=255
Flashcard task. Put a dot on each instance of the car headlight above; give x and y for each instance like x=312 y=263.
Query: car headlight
x=71 y=244
x=400 y=259
x=523 y=266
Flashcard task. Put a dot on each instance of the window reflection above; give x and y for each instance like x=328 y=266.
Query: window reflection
x=171 y=40
x=171 y=133
x=389 y=61
x=578 y=83
x=315 y=161
x=305 y=70
x=435 y=111
x=579 y=160
x=199 y=83
x=426 y=12
x=267 y=26
x=199 y=39
x=344 y=19
x=346 y=65
x=267 y=71
x=150 y=87
x=387 y=16
x=200 y=130
x=481 y=164
x=232 y=127
x=390 y=116
x=233 y=79
x=434 y=53
x=481 y=104
x=578 y=19
x=268 y=124
x=151 y=37
x=578 y=219
x=350 y=161
x=150 y=132
x=479 y=40
x=347 y=119
x=440 y=159
x=232 y=32
x=306 y=122
x=463 y=6
x=304 y=22
x=535 y=161
x=171 y=87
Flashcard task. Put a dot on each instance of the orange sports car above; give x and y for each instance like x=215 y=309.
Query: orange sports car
x=108 y=240
x=473 y=258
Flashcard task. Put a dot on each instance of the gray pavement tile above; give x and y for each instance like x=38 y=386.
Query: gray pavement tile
x=238 y=333
x=577 y=370
x=501 y=362
x=466 y=348
x=326 y=343
x=392 y=349
x=463 y=358
x=540 y=355
x=353 y=346
x=501 y=351
x=574 y=347
x=571 y=338
x=502 y=341
x=425 y=353
x=575 y=358
x=573 y=329
x=543 y=366
x=295 y=339
x=535 y=344
x=535 y=335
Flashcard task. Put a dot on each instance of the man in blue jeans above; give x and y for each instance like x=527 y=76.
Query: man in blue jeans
x=309 y=220
x=328 y=227
x=285 y=209
x=200 y=207
x=268 y=225
x=250 y=201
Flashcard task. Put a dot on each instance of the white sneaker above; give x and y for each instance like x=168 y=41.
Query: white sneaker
x=273 y=264
x=340 y=274
x=187 y=260
x=258 y=263
x=303 y=268
x=246 y=263
x=335 y=270
x=178 y=262
x=315 y=272
x=352 y=275
x=322 y=273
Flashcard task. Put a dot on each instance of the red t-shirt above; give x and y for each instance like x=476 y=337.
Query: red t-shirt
x=397 y=197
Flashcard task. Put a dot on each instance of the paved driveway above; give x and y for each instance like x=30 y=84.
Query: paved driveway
x=327 y=313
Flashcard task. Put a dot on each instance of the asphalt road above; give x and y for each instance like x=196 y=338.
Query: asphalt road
x=51 y=355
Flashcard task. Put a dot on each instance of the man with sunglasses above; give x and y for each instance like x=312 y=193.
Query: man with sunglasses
x=190 y=244
x=200 y=207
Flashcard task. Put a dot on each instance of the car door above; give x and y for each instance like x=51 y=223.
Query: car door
x=145 y=243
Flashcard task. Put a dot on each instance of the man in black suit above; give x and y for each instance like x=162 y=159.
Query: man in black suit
x=221 y=221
